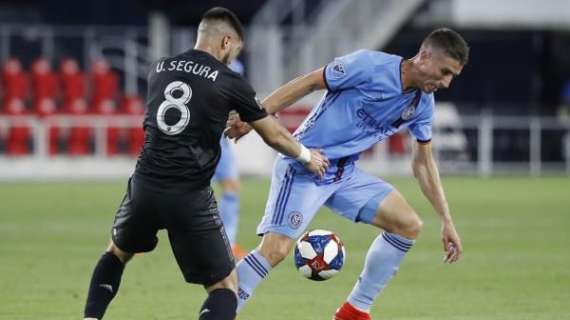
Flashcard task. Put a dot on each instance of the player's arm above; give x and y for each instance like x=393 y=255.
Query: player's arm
x=281 y=98
x=277 y=137
x=294 y=90
x=427 y=174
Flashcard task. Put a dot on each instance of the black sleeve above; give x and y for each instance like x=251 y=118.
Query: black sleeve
x=242 y=98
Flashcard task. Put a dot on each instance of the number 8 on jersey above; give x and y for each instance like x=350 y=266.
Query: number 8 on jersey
x=177 y=95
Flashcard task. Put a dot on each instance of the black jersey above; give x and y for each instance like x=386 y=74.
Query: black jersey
x=189 y=98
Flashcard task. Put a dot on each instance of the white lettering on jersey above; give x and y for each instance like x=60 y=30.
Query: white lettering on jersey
x=189 y=67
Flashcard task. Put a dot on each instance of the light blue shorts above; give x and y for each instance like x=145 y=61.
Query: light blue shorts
x=296 y=196
x=227 y=168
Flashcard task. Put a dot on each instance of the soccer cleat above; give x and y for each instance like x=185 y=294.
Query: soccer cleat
x=238 y=252
x=348 y=312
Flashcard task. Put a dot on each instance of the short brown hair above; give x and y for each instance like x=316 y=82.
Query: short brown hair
x=223 y=14
x=451 y=42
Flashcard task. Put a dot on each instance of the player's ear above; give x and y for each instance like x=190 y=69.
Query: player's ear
x=425 y=55
x=226 y=42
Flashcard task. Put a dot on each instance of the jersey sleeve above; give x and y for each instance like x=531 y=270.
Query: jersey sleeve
x=421 y=128
x=242 y=98
x=347 y=71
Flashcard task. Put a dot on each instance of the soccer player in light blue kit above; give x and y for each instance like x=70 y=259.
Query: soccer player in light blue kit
x=227 y=176
x=370 y=96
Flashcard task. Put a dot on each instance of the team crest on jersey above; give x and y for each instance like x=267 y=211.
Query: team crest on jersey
x=409 y=112
x=295 y=219
x=338 y=69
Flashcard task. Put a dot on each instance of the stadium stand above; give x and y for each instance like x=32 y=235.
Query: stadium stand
x=45 y=94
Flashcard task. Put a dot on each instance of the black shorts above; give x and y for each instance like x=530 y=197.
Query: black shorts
x=195 y=230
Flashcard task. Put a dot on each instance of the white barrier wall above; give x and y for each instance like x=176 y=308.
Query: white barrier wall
x=479 y=155
x=516 y=13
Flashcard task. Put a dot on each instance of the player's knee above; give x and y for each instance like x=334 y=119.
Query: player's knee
x=275 y=255
x=229 y=282
x=275 y=248
x=122 y=255
x=411 y=227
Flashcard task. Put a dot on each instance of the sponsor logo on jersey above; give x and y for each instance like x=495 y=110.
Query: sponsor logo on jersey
x=368 y=122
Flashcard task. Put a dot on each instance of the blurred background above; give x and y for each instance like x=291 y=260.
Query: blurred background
x=73 y=78
x=72 y=90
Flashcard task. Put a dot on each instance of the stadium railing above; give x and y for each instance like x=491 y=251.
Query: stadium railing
x=491 y=144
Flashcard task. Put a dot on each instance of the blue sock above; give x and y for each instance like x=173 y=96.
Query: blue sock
x=229 y=212
x=251 y=271
x=382 y=262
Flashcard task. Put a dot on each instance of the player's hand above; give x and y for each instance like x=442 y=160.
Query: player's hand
x=318 y=164
x=451 y=243
x=235 y=128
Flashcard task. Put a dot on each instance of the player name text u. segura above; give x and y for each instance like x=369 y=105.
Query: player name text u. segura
x=188 y=66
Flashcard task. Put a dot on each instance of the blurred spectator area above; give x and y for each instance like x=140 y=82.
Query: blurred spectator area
x=73 y=105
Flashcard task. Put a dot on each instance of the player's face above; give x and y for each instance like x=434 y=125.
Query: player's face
x=437 y=70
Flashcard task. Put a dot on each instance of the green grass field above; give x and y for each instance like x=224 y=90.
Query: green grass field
x=516 y=233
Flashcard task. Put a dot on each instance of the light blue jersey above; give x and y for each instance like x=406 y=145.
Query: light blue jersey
x=364 y=104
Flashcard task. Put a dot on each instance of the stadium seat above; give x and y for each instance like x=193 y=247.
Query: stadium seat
x=15 y=82
x=133 y=105
x=397 y=145
x=292 y=118
x=45 y=88
x=72 y=84
x=80 y=137
x=105 y=86
x=19 y=139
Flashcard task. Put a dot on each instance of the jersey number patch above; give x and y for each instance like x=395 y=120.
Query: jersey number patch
x=177 y=95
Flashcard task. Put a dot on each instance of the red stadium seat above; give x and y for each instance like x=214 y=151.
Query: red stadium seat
x=80 y=137
x=292 y=118
x=19 y=139
x=397 y=144
x=134 y=105
x=72 y=84
x=45 y=88
x=105 y=86
x=15 y=83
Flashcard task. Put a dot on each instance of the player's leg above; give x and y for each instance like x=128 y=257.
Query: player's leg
x=229 y=212
x=105 y=281
x=221 y=302
x=293 y=201
x=131 y=234
x=402 y=226
x=202 y=250
x=228 y=177
x=373 y=201
x=257 y=264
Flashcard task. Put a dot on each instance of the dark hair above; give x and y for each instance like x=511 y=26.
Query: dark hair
x=223 y=14
x=451 y=42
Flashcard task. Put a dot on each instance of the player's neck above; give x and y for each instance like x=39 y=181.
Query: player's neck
x=206 y=47
x=407 y=74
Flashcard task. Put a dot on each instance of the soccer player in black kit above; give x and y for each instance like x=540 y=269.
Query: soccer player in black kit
x=189 y=98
